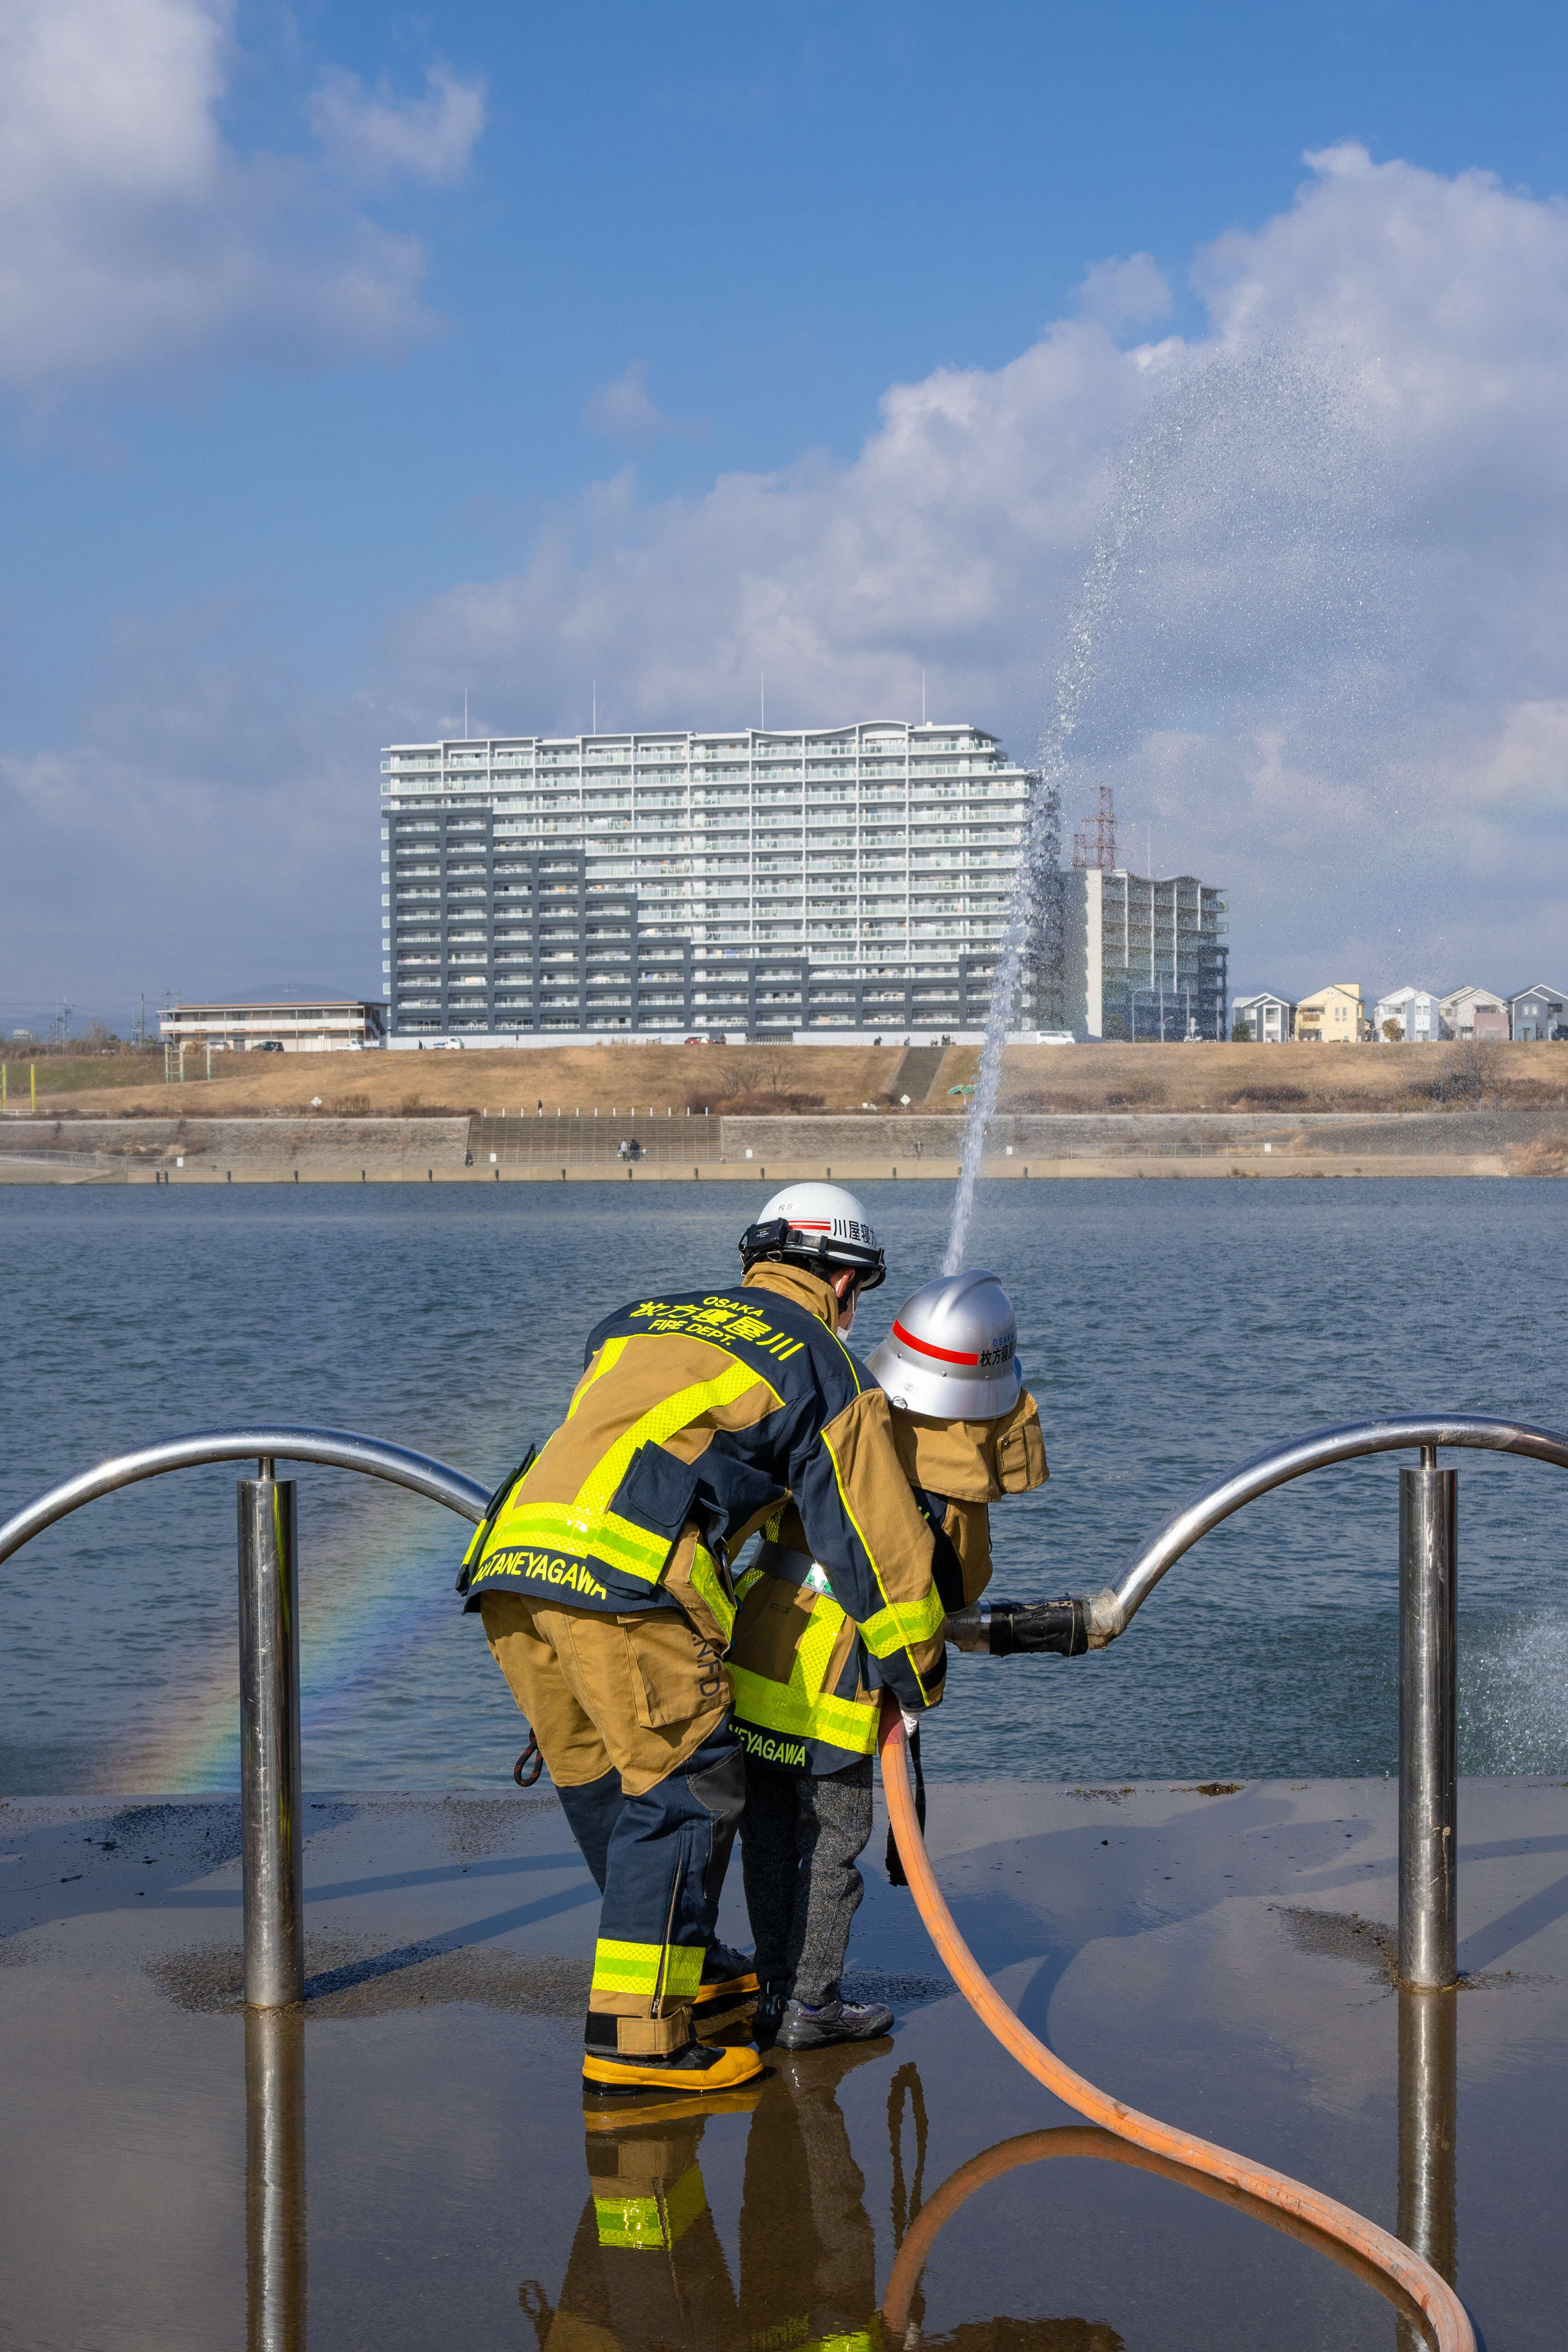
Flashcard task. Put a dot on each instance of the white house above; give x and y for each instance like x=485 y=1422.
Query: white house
x=1414 y=1013
x=1269 y=1017
x=1473 y=1013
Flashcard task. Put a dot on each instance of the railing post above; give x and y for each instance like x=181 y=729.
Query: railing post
x=1428 y=1725
x=270 y=1743
x=275 y=2179
x=1428 y=2111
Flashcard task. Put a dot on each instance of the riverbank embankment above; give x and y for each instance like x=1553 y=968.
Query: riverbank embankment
x=688 y=1147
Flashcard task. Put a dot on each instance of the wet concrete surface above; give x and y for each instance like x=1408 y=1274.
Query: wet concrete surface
x=405 y=2162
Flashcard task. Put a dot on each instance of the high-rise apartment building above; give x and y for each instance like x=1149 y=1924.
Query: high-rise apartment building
x=757 y=880
x=1146 y=961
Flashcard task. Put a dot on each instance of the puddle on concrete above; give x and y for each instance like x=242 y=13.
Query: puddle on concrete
x=350 y=1977
x=1343 y=1935
x=431 y=2177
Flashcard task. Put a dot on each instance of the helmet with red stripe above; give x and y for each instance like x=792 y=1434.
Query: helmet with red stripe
x=821 y=1227
x=953 y=1350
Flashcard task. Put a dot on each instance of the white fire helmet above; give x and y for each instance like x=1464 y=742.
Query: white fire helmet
x=819 y=1227
x=953 y=1350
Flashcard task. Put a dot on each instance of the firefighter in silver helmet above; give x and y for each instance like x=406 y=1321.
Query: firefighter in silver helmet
x=808 y=1685
x=967 y=1429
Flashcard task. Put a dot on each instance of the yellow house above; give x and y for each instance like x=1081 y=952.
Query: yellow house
x=1333 y=1016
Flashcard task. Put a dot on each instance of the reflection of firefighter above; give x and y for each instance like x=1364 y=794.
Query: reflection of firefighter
x=603 y=1573
x=808 y=2252
x=646 y=2272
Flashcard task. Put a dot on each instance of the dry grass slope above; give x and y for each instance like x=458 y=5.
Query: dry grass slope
x=663 y=1079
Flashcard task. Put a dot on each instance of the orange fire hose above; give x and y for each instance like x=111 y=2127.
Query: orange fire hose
x=1431 y=2294
x=1089 y=2140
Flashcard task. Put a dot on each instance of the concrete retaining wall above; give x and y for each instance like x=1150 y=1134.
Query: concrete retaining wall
x=1102 y=1135
x=383 y=1146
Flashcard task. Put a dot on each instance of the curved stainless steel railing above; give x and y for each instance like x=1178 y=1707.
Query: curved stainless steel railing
x=269 y=1631
x=338 y=1449
x=1324 y=1446
x=269 y=1777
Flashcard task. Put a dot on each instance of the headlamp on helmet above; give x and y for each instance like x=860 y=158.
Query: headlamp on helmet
x=821 y=1227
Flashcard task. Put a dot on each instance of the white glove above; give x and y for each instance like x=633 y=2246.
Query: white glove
x=911 y=1722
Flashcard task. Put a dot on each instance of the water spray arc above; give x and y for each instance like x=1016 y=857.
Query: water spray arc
x=1035 y=912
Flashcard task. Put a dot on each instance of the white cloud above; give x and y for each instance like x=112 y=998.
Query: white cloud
x=133 y=237
x=379 y=138
x=211 y=822
x=624 y=409
x=1333 y=671
x=1134 y=292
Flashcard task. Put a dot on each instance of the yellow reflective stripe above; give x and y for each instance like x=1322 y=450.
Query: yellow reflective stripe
x=608 y=1356
x=626 y=1967
x=815 y=1647
x=652 y=2222
x=849 y=1722
x=850 y=1513
x=706 y=1580
x=646 y=1970
x=662 y=1421
x=586 y=1525
x=561 y=1526
x=683 y=1969
x=747 y=1577
x=903 y=1621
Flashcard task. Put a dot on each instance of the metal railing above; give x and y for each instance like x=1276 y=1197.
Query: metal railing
x=269 y=1786
x=269 y=1640
x=1428 y=1657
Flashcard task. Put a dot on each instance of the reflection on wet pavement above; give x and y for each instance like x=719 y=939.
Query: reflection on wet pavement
x=171 y=2167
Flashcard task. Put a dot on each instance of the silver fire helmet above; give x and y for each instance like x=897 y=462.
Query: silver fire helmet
x=953 y=1350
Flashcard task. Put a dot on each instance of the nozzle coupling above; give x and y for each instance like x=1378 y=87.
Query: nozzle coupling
x=1002 y=1629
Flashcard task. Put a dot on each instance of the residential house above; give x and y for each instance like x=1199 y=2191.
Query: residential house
x=1269 y=1018
x=1407 y=1016
x=1333 y=1016
x=1473 y=1013
x=1537 y=1013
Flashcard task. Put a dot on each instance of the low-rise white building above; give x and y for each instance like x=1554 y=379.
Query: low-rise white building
x=1412 y=1013
x=348 y=1022
x=1473 y=1013
x=1269 y=1018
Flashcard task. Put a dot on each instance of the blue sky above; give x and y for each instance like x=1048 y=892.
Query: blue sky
x=350 y=358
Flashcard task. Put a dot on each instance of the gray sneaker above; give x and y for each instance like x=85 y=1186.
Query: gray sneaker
x=833 y=2019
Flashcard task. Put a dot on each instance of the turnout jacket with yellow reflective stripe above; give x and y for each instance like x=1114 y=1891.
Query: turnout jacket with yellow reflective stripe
x=696 y=1415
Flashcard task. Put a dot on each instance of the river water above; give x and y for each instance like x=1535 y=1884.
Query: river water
x=1168 y=1330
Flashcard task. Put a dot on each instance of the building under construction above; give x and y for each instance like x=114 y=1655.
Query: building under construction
x=1143 y=959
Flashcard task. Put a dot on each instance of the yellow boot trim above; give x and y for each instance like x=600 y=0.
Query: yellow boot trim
x=603 y=2120
x=735 y=2065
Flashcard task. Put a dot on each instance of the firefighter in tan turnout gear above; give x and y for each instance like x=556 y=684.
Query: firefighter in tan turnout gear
x=808 y=1682
x=602 y=1573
